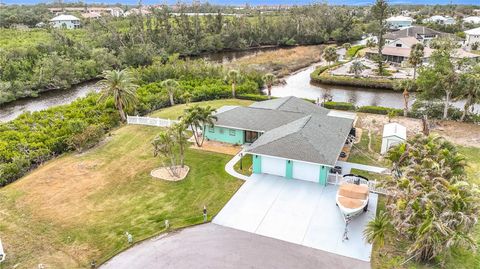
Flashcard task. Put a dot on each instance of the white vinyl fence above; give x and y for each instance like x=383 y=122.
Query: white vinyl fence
x=150 y=121
x=336 y=179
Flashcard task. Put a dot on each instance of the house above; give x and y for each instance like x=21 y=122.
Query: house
x=472 y=20
x=472 y=36
x=398 y=50
x=91 y=15
x=399 y=22
x=112 y=11
x=444 y=20
x=421 y=33
x=65 y=21
x=287 y=137
x=393 y=134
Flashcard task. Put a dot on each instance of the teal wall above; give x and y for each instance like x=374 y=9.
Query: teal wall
x=289 y=171
x=257 y=164
x=226 y=135
x=323 y=175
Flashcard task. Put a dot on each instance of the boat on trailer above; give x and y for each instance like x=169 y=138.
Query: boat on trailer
x=352 y=198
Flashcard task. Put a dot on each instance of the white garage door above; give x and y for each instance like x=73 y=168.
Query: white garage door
x=306 y=171
x=274 y=166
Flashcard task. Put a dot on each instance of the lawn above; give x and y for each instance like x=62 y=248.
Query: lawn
x=77 y=208
x=246 y=165
x=361 y=154
x=176 y=111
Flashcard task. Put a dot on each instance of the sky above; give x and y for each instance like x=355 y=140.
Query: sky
x=257 y=2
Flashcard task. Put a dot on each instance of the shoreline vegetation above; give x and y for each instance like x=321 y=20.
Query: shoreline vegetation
x=321 y=76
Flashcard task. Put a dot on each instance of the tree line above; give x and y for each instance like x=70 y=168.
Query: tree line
x=68 y=57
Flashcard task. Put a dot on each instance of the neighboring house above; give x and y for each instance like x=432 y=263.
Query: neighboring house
x=399 y=22
x=113 y=11
x=91 y=15
x=444 y=20
x=472 y=20
x=65 y=21
x=421 y=33
x=472 y=36
x=287 y=137
x=398 y=50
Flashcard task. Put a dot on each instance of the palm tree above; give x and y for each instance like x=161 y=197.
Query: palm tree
x=416 y=57
x=357 y=68
x=330 y=54
x=233 y=77
x=119 y=85
x=470 y=91
x=171 y=85
x=347 y=46
x=163 y=145
x=198 y=118
x=405 y=85
x=180 y=138
x=377 y=229
x=268 y=79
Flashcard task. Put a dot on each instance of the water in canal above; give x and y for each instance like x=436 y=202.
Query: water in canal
x=297 y=84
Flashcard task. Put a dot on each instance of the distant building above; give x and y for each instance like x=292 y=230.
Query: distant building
x=444 y=20
x=472 y=19
x=65 y=21
x=399 y=22
x=472 y=36
x=421 y=33
x=112 y=11
x=91 y=15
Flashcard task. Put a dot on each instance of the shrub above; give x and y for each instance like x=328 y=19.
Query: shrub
x=378 y=110
x=253 y=97
x=339 y=106
x=86 y=139
x=434 y=110
x=352 y=51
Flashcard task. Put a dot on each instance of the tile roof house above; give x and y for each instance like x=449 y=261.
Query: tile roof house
x=472 y=36
x=288 y=137
x=421 y=33
x=445 y=20
x=399 y=22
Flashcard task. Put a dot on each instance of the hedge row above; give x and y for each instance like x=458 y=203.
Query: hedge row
x=366 y=109
x=352 y=51
x=320 y=76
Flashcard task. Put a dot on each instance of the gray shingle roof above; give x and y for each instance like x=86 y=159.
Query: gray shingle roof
x=294 y=129
x=255 y=119
x=319 y=140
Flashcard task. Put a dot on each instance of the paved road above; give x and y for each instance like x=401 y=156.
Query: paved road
x=214 y=246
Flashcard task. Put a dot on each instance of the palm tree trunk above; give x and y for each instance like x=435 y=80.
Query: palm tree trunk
x=447 y=103
x=120 y=110
x=195 y=135
x=172 y=102
x=405 y=102
x=233 y=90
x=466 y=107
x=414 y=72
x=203 y=137
x=269 y=87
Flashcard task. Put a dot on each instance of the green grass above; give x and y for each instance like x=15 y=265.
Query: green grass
x=176 y=111
x=77 y=207
x=13 y=38
x=246 y=165
x=361 y=154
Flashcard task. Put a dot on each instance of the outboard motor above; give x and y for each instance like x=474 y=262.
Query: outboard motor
x=356 y=181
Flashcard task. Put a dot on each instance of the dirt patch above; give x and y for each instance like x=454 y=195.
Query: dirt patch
x=175 y=173
x=465 y=134
x=218 y=147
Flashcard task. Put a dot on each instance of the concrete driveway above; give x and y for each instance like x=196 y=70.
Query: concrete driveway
x=296 y=211
x=214 y=246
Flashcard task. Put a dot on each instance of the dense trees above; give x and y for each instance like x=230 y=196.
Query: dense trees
x=50 y=59
x=432 y=207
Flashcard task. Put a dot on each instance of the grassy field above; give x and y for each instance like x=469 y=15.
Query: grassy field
x=78 y=207
x=284 y=61
x=13 y=38
x=174 y=112
x=361 y=154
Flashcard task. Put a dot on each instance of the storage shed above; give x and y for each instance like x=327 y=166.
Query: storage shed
x=393 y=134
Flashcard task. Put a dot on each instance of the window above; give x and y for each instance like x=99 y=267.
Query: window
x=231 y=132
x=211 y=129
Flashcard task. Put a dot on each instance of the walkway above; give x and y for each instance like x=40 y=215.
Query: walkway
x=230 y=170
x=214 y=246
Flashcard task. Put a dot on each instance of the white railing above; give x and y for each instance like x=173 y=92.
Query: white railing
x=336 y=179
x=150 y=121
